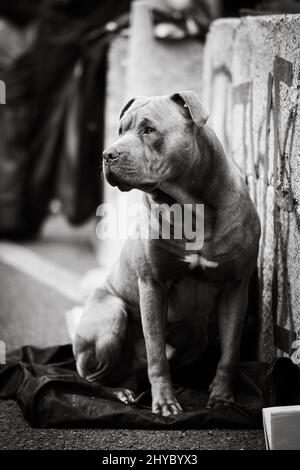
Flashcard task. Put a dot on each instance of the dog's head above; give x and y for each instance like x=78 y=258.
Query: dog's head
x=156 y=136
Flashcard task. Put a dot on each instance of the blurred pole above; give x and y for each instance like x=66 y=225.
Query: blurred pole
x=141 y=51
x=153 y=67
x=140 y=48
x=216 y=8
x=141 y=68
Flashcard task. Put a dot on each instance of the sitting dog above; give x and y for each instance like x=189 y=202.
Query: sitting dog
x=154 y=307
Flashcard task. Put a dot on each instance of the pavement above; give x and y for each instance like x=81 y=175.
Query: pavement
x=15 y=433
x=32 y=311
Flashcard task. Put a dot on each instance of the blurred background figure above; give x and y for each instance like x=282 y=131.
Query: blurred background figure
x=185 y=18
x=53 y=62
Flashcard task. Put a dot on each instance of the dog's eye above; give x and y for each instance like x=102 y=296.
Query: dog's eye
x=120 y=130
x=148 y=130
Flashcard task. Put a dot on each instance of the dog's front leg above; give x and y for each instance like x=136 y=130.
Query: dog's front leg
x=232 y=310
x=153 y=304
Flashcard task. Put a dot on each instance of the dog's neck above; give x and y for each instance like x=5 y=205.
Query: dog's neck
x=201 y=181
x=208 y=179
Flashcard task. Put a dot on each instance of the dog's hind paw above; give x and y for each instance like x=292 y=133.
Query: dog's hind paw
x=122 y=394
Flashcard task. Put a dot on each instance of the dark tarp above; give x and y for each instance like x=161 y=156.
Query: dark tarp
x=50 y=393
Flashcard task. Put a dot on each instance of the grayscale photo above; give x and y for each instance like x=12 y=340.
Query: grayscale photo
x=149 y=229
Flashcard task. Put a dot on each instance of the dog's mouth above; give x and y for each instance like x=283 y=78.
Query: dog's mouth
x=147 y=187
x=115 y=180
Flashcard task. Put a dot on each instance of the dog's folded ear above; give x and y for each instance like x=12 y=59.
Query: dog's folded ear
x=127 y=106
x=190 y=100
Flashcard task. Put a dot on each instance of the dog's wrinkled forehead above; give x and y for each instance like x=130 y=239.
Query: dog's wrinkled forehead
x=142 y=107
x=186 y=103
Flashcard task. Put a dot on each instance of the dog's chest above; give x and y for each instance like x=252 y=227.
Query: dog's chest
x=168 y=261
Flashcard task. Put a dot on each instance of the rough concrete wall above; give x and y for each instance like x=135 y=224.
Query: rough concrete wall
x=250 y=80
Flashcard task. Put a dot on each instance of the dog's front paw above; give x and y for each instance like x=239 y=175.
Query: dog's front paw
x=221 y=390
x=164 y=401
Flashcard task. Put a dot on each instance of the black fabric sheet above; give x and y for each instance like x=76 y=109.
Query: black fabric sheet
x=50 y=393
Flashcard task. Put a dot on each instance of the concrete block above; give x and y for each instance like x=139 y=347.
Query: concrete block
x=261 y=133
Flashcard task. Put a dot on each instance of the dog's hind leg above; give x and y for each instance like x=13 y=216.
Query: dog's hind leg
x=101 y=345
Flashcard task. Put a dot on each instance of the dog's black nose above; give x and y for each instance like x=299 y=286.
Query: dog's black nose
x=110 y=154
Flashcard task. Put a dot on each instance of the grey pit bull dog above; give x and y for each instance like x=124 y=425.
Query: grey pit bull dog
x=153 y=310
